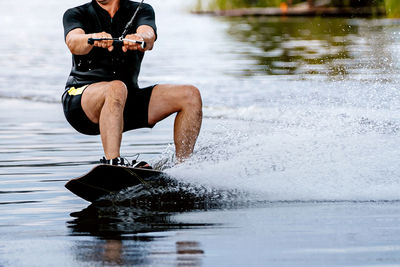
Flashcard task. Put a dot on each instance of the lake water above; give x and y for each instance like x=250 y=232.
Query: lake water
x=296 y=163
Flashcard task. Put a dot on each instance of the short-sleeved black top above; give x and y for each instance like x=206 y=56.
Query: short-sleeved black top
x=100 y=64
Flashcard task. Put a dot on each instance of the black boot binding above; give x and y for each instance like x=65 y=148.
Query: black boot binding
x=116 y=162
x=125 y=163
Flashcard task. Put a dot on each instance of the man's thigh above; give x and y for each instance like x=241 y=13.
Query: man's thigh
x=94 y=96
x=167 y=99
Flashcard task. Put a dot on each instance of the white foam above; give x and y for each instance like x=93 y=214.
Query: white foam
x=322 y=153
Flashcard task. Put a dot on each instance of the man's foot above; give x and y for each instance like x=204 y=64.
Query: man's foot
x=141 y=164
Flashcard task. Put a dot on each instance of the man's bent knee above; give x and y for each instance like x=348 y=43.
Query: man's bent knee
x=192 y=96
x=116 y=91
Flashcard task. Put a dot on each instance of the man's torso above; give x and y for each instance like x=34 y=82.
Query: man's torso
x=100 y=64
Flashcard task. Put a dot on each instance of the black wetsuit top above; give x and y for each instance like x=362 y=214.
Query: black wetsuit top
x=100 y=64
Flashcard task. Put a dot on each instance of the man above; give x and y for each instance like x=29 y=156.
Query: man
x=102 y=95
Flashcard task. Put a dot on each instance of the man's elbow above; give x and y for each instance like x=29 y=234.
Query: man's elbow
x=74 y=43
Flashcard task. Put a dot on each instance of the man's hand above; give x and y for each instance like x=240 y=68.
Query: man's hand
x=143 y=33
x=105 y=43
x=133 y=46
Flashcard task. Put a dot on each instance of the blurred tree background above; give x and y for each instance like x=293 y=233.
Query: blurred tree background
x=392 y=6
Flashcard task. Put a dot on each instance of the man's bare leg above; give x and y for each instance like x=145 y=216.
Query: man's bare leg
x=104 y=103
x=186 y=101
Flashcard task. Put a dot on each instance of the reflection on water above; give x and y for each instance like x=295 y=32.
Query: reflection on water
x=123 y=239
x=118 y=222
x=335 y=47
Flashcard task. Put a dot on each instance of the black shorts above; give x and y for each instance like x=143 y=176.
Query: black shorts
x=135 y=112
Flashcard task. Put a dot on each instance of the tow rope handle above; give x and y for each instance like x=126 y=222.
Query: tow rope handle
x=116 y=41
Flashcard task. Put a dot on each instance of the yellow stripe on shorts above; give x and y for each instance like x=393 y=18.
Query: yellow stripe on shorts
x=77 y=91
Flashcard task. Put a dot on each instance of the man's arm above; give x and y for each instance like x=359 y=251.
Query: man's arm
x=77 y=41
x=143 y=33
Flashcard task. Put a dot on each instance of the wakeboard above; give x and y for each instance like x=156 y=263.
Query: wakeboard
x=105 y=179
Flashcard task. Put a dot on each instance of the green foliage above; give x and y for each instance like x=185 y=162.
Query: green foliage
x=392 y=8
x=231 y=4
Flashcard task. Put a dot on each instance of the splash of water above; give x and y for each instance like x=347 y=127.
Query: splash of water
x=342 y=150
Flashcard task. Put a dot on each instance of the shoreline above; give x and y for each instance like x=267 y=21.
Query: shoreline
x=298 y=11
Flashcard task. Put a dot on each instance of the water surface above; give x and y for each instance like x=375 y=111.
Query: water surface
x=296 y=163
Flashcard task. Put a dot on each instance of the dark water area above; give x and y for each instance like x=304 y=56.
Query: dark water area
x=296 y=163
